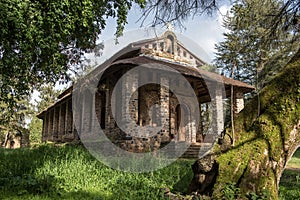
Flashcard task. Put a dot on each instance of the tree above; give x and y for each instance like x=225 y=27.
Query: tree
x=48 y=95
x=264 y=144
x=13 y=118
x=266 y=136
x=165 y=11
x=40 y=41
x=245 y=55
x=35 y=130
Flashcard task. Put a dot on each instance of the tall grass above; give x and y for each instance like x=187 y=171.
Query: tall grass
x=295 y=160
x=289 y=188
x=70 y=172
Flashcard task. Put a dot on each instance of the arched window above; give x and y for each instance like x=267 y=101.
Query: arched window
x=170 y=44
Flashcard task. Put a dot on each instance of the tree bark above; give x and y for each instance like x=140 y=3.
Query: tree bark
x=7 y=135
x=263 y=144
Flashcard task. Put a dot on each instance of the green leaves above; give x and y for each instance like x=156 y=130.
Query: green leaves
x=42 y=40
x=250 y=52
x=38 y=38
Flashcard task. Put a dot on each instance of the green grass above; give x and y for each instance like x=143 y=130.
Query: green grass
x=70 y=172
x=295 y=160
x=289 y=188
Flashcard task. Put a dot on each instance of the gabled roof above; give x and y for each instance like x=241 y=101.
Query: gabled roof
x=166 y=46
x=188 y=71
x=175 y=56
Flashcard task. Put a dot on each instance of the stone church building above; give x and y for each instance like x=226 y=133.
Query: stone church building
x=58 y=121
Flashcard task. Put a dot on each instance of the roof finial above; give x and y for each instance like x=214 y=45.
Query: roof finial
x=169 y=26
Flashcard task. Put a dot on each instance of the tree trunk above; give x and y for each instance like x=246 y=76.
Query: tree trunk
x=263 y=144
x=7 y=135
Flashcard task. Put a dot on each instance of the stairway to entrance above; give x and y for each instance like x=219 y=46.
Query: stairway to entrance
x=195 y=150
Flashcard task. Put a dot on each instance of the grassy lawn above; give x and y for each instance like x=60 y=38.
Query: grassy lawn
x=289 y=188
x=69 y=172
x=295 y=160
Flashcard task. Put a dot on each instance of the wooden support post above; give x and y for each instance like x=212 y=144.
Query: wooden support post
x=217 y=110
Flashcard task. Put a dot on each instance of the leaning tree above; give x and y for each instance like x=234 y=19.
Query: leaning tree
x=263 y=143
x=266 y=136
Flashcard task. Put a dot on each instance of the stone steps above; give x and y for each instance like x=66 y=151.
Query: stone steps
x=195 y=151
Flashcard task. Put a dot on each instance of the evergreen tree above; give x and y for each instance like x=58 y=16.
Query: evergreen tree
x=35 y=130
x=245 y=53
x=47 y=96
x=13 y=118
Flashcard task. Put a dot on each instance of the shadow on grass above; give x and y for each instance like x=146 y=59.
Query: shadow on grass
x=18 y=169
x=297 y=153
x=68 y=172
x=289 y=185
x=79 y=195
x=183 y=184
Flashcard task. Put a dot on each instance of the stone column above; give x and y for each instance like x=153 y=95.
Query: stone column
x=94 y=120
x=193 y=130
x=199 y=136
x=172 y=109
x=98 y=106
x=118 y=101
x=107 y=110
x=59 y=123
x=50 y=128
x=69 y=121
x=111 y=121
x=62 y=119
x=164 y=99
x=130 y=96
x=238 y=103
x=86 y=113
x=55 y=122
x=217 y=110
x=45 y=127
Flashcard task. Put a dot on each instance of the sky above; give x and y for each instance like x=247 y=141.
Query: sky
x=200 y=34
